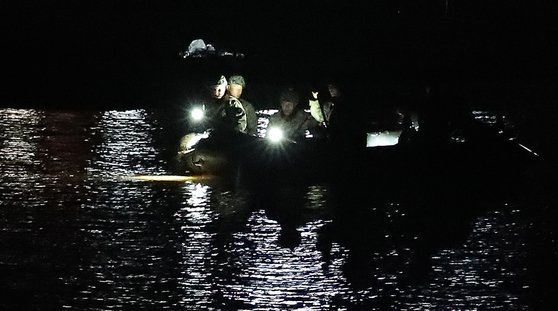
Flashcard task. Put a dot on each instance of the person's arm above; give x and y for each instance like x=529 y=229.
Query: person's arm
x=304 y=121
x=237 y=115
x=310 y=122
x=251 y=118
x=315 y=109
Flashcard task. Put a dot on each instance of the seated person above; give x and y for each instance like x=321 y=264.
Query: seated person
x=235 y=87
x=292 y=120
x=322 y=111
x=219 y=88
x=217 y=91
x=220 y=111
x=231 y=116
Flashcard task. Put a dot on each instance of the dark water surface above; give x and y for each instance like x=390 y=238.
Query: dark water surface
x=77 y=234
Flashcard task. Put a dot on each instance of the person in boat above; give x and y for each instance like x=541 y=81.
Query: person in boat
x=235 y=87
x=328 y=107
x=218 y=111
x=226 y=112
x=336 y=106
x=291 y=119
x=219 y=89
x=322 y=110
x=231 y=116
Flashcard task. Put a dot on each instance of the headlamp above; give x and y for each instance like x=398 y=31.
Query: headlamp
x=197 y=114
x=275 y=134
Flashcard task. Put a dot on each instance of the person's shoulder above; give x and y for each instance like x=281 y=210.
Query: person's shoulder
x=246 y=103
x=275 y=115
x=219 y=101
x=248 y=107
x=302 y=112
x=233 y=101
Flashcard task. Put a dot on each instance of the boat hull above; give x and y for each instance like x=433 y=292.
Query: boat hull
x=231 y=152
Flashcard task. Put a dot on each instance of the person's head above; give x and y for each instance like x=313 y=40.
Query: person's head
x=333 y=89
x=236 y=85
x=218 y=89
x=288 y=100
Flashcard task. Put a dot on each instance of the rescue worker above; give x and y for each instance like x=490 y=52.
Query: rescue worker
x=292 y=120
x=236 y=85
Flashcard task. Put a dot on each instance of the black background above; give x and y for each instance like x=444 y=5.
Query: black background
x=125 y=53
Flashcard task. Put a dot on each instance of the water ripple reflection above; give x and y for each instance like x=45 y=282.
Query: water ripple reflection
x=75 y=235
x=124 y=145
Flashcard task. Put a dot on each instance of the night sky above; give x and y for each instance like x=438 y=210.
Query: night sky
x=67 y=51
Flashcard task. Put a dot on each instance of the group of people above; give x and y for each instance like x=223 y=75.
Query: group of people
x=230 y=111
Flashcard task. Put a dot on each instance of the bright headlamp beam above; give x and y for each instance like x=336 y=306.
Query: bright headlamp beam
x=197 y=114
x=275 y=134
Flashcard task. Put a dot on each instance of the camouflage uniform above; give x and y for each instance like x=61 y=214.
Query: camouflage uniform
x=232 y=115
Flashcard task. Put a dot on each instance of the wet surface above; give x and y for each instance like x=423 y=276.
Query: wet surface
x=77 y=234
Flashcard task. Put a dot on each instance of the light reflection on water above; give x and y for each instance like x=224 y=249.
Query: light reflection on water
x=19 y=153
x=124 y=144
x=76 y=236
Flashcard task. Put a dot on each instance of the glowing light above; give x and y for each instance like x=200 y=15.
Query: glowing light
x=529 y=150
x=275 y=134
x=197 y=114
x=384 y=138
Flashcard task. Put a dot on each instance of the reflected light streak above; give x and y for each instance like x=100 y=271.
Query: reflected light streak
x=169 y=178
x=197 y=249
x=472 y=277
x=274 y=277
x=316 y=197
x=21 y=161
x=126 y=145
x=20 y=135
x=198 y=195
